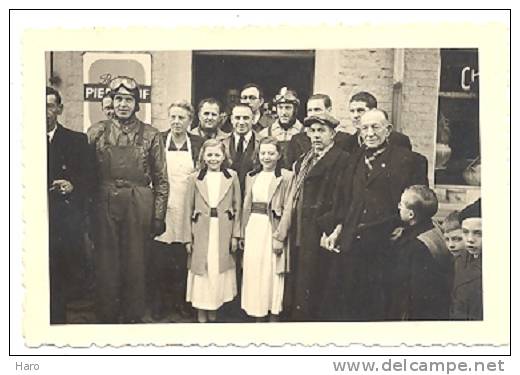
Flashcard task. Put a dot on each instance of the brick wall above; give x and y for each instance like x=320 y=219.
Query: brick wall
x=420 y=101
x=342 y=73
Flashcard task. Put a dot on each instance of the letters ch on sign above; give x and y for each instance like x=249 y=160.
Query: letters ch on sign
x=467 y=77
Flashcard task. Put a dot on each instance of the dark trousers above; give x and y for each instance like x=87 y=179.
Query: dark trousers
x=65 y=257
x=58 y=282
x=122 y=217
x=167 y=276
x=364 y=281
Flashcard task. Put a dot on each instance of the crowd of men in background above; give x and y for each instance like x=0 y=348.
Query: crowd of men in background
x=363 y=244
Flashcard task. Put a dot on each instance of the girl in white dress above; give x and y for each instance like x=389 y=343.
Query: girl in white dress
x=266 y=201
x=213 y=215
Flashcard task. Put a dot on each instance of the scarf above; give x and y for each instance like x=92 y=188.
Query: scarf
x=308 y=162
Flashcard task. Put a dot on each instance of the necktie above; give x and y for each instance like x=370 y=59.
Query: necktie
x=240 y=147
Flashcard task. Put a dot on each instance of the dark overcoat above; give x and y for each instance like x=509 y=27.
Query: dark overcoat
x=300 y=143
x=467 y=301
x=309 y=262
x=367 y=209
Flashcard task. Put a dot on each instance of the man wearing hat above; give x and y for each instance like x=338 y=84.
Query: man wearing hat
x=129 y=205
x=365 y=216
x=317 y=172
x=300 y=143
x=287 y=125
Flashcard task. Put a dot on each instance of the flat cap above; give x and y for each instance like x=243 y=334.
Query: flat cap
x=324 y=119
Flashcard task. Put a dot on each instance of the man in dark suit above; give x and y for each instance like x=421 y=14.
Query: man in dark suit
x=240 y=146
x=359 y=104
x=242 y=142
x=316 y=176
x=67 y=170
x=366 y=215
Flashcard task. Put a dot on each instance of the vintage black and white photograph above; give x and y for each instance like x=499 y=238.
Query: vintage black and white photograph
x=264 y=186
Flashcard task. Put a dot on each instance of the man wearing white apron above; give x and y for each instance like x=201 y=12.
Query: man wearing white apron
x=168 y=257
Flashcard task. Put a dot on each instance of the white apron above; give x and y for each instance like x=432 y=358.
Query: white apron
x=180 y=165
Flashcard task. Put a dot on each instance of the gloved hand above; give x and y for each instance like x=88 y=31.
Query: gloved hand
x=158 y=227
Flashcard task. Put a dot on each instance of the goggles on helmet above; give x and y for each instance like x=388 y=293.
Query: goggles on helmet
x=286 y=96
x=127 y=82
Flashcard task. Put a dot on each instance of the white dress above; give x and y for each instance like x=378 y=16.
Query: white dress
x=210 y=291
x=262 y=288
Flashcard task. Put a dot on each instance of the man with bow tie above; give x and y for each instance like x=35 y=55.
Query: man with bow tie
x=365 y=216
x=316 y=174
x=67 y=181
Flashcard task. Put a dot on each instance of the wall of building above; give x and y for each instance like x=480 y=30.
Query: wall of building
x=339 y=73
x=171 y=80
x=342 y=73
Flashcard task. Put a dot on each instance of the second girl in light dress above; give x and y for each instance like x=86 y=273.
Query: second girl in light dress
x=266 y=214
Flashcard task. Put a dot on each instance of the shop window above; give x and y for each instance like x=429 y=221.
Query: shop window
x=458 y=141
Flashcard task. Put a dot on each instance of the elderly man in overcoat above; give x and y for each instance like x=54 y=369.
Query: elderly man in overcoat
x=366 y=215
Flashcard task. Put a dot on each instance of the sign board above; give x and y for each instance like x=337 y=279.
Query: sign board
x=100 y=67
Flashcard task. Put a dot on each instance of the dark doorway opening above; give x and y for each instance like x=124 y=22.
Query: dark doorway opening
x=216 y=71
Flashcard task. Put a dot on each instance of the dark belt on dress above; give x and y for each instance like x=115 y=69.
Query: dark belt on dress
x=259 y=208
x=213 y=212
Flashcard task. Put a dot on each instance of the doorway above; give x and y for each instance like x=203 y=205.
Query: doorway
x=216 y=71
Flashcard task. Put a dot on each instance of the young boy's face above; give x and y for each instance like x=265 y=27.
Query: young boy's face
x=472 y=232
x=405 y=213
x=455 y=241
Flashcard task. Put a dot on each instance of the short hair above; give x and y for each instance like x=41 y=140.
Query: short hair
x=241 y=105
x=249 y=85
x=184 y=104
x=451 y=222
x=424 y=202
x=208 y=101
x=52 y=91
x=212 y=143
x=377 y=110
x=366 y=97
x=326 y=99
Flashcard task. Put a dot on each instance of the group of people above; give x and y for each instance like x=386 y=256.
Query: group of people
x=257 y=218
